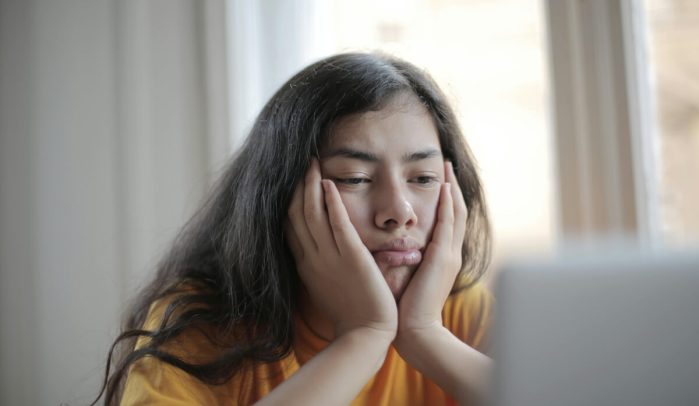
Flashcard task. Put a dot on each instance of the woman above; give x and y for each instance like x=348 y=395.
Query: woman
x=335 y=262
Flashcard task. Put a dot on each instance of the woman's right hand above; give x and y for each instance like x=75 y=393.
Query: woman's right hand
x=338 y=271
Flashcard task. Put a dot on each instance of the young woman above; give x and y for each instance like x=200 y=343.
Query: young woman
x=336 y=262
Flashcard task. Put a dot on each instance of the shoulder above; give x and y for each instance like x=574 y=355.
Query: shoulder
x=194 y=341
x=152 y=381
x=468 y=314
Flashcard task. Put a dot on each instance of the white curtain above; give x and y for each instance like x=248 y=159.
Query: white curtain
x=269 y=41
x=114 y=121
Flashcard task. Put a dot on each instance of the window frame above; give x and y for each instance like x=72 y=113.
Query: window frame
x=603 y=121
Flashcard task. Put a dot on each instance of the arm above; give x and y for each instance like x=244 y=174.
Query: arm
x=341 y=278
x=335 y=375
x=422 y=340
x=460 y=370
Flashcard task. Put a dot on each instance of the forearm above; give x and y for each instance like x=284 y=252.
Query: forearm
x=336 y=374
x=460 y=370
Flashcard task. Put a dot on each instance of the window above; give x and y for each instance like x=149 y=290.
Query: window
x=673 y=28
x=488 y=56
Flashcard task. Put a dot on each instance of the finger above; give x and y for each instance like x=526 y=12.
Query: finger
x=439 y=249
x=444 y=229
x=314 y=210
x=343 y=231
x=298 y=222
x=460 y=209
x=293 y=240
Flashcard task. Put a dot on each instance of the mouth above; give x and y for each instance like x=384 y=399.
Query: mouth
x=401 y=251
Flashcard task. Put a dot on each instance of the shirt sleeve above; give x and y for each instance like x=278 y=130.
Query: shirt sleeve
x=468 y=315
x=153 y=382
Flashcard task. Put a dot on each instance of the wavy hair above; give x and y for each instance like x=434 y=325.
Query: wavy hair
x=233 y=251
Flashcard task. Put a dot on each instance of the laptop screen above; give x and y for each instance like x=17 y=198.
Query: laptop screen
x=618 y=329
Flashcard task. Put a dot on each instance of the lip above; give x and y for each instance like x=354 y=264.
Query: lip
x=399 y=244
x=401 y=251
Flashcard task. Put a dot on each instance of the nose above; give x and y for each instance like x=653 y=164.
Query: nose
x=393 y=209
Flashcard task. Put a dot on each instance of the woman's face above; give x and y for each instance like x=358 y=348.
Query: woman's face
x=388 y=167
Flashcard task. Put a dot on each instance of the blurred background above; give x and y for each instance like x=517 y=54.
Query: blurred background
x=117 y=115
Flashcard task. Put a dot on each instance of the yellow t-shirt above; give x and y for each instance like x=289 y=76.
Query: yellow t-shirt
x=466 y=314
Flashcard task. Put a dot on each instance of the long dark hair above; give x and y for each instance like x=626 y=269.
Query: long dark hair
x=232 y=255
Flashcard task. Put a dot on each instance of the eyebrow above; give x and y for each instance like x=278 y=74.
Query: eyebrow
x=365 y=156
x=420 y=155
x=352 y=154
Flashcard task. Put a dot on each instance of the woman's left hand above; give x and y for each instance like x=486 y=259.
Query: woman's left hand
x=420 y=307
x=422 y=340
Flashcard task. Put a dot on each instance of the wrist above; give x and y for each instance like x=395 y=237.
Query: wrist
x=369 y=342
x=423 y=330
x=374 y=337
x=380 y=331
x=412 y=339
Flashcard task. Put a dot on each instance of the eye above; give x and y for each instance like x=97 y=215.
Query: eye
x=351 y=181
x=424 y=180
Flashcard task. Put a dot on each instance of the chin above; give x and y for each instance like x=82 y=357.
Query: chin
x=397 y=279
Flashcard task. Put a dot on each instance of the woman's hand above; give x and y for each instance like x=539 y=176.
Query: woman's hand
x=422 y=340
x=338 y=271
x=420 y=307
x=344 y=283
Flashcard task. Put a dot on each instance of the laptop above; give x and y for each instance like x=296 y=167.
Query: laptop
x=606 y=329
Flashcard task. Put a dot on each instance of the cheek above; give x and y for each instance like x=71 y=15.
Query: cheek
x=359 y=213
x=426 y=210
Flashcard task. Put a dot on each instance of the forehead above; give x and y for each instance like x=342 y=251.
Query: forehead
x=403 y=124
